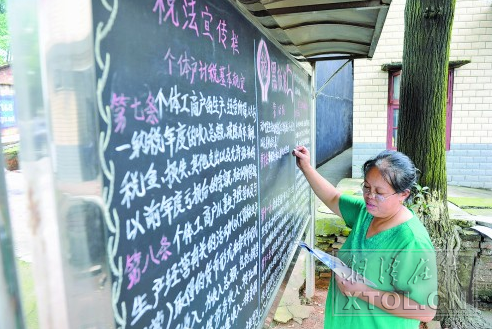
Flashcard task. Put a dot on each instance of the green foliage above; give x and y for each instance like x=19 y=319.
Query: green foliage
x=11 y=156
x=4 y=31
x=11 y=149
x=28 y=294
x=418 y=200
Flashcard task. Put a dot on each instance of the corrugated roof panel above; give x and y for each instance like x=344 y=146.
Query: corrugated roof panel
x=308 y=28
x=275 y=4
x=348 y=16
x=321 y=48
x=323 y=32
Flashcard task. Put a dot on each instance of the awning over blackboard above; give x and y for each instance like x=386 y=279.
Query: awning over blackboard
x=314 y=30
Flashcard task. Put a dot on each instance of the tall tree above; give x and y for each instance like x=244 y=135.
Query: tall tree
x=422 y=136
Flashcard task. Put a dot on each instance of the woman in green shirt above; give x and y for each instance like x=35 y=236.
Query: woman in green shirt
x=388 y=245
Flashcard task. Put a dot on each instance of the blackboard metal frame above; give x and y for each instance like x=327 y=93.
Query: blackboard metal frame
x=310 y=261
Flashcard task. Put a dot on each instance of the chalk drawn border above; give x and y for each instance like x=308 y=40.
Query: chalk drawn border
x=108 y=169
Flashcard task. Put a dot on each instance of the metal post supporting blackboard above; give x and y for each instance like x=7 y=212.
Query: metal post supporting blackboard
x=310 y=265
x=55 y=98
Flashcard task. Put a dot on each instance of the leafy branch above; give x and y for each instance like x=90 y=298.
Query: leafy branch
x=418 y=200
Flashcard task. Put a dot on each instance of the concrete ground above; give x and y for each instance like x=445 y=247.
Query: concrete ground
x=19 y=218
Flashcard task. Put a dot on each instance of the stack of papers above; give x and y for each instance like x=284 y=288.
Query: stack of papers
x=336 y=265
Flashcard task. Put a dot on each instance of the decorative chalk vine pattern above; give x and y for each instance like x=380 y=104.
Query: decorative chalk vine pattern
x=108 y=167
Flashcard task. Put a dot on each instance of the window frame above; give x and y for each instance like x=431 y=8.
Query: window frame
x=392 y=105
x=395 y=104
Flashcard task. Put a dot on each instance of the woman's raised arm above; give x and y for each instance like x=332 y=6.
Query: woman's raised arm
x=325 y=191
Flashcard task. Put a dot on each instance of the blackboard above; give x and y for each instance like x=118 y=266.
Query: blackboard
x=198 y=115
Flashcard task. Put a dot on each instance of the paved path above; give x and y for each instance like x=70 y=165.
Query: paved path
x=19 y=217
x=336 y=169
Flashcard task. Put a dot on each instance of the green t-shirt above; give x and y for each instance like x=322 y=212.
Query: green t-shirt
x=400 y=259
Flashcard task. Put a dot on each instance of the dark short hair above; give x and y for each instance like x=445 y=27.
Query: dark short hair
x=396 y=168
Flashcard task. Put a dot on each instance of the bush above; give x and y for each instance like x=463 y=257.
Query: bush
x=11 y=156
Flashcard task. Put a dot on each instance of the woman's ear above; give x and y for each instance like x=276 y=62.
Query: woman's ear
x=405 y=194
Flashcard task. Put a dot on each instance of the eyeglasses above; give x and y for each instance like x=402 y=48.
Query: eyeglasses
x=366 y=190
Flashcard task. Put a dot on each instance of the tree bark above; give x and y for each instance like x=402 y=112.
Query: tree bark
x=422 y=136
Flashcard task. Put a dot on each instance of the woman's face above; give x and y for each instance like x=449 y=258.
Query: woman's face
x=381 y=199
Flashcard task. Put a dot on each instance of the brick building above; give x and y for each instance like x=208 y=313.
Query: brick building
x=469 y=108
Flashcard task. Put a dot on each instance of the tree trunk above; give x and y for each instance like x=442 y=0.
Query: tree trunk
x=422 y=136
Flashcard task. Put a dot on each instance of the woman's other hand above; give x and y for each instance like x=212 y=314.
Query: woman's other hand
x=351 y=288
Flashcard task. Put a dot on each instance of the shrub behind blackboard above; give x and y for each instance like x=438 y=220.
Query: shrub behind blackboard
x=11 y=157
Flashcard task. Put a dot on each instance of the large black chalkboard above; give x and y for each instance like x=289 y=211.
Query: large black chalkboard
x=199 y=113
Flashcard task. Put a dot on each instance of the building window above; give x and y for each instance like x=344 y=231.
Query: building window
x=394 y=108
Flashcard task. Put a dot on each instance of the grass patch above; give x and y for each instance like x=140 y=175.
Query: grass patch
x=11 y=148
x=28 y=294
x=479 y=212
x=471 y=202
x=353 y=193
